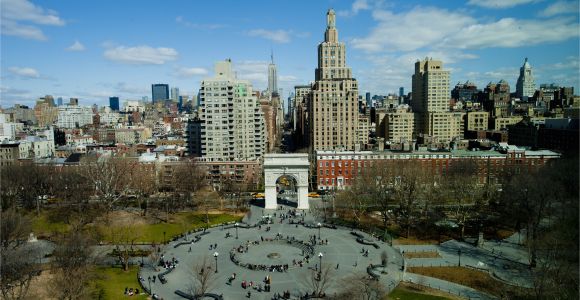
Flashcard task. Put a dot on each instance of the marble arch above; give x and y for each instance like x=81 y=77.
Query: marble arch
x=294 y=165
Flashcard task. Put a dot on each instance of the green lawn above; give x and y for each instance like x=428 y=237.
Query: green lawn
x=111 y=283
x=180 y=222
x=41 y=226
x=405 y=294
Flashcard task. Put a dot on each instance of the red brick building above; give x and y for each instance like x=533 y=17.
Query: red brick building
x=337 y=169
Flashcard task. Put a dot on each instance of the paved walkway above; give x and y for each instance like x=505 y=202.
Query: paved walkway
x=505 y=260
x=342 y=251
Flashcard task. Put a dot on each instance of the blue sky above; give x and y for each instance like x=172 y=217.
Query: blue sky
x=96 y=49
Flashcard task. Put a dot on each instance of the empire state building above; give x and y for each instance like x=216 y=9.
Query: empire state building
x=333 y=110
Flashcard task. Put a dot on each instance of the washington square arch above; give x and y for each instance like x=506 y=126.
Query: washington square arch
x=292 y=171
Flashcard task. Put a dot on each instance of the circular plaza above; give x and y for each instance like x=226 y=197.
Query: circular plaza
x=273 y=253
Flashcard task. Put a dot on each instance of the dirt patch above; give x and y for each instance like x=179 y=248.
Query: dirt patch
x=422 y=254
x=411 y=287
x=475 y=279
x=415 y=241
x=124 y=218
x=40 y=286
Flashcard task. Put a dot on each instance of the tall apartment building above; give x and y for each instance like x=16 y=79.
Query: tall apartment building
x=430 y=87
x=159 y=92
x=175 y=94
x=232 y=117
x=431 y=102
x=272 y=77
x=395 y=125
x=74 y=116
x=525 y=87
x=497 y=99
x=333 y=111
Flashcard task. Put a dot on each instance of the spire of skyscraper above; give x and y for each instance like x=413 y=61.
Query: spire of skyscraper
x=272 y=76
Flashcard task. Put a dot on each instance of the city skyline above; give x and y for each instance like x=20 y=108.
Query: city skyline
x=126 y=47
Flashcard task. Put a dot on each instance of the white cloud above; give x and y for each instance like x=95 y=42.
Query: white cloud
x=190 y=72
x=560 y=7
x=182 y=21
x=278 y=36
x=408 y=31
x=500 y=4
x=123 y=87
x=77 y=46
x=287 y=78
x=357 y=6
x=428 y=27
x=16 y=12
x=24 y=72
x=141 y=55
x=512 y=33
x=255 y=71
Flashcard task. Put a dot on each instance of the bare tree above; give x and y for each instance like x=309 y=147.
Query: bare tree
x=15 y=228
x=360 y=287
x=462 y=187
x=318 y=281
x=203 y=277
x=72 y=258
x=408 y=184
x=124 y=238
x=110 y=177
x=18 y=261
x=19 y=266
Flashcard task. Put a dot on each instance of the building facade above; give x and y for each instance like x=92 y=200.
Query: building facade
x=525 y=86
x=338 y=170
x=74 y=116
x=430 y=101
x=159 y=92
x=333 y=108
x=272 y=77
x=233 y=123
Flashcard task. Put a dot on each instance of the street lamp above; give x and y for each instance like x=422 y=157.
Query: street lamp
x=320 y=256
x=215 y=255
x=459 y=253
x=319 y=225
x=236 y=230
x=150 y=291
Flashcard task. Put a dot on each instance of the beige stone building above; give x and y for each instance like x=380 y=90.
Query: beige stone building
x=396 y=125
x=477 y=121
x=445 y=126
x=502 y=123
x=430 y=102
x=333 y=109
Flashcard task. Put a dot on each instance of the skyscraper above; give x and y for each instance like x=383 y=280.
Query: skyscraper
x=525 y=87
x=368 y=100
x=333 y=117
x=272 y=77
x=59 y=101
x=114 y=103
x=430 y=102
x=159 y=91
x=233 y=120
x=401 y=92
x=175 y=94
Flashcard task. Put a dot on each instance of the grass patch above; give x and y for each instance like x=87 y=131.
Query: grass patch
x=406 y=291
x=111 y=283
x=422 y=254
x=43 y=227
x=475 y=279
x=178 y=224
